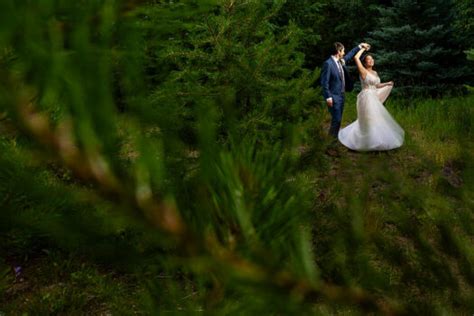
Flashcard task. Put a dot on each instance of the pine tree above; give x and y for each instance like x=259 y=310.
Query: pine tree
x=414 y=46
x=239 y=55
x=464 y=21
x=308 y=16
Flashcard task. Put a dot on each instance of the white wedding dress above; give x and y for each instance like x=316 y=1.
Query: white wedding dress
x=374 y=129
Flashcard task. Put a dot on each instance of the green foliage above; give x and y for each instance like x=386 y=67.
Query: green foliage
x=307 y=15
x=198 y=206
x=348 y=22
x=326 y=22
x=255 y=71
x=168 y=157
x=416 y=48
x=5 y=277
x=464 y=21
x=470 y=54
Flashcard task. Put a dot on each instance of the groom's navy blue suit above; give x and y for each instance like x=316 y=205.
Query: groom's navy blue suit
x=332 y=84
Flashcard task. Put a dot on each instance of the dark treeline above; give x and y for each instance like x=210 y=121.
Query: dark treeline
x=418 y=44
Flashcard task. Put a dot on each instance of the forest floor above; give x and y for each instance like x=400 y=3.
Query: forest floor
x=428 y=173
x=430 y=177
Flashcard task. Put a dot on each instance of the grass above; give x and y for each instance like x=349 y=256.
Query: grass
x=56 y=283
x=393 y=205
x=398 y=204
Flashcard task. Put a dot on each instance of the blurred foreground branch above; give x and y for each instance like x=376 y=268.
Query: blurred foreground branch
x=92 y=167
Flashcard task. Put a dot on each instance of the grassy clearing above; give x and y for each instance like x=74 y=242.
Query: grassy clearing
x=397 y=203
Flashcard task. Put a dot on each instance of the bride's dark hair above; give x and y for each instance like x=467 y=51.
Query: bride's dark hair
x=364 y=57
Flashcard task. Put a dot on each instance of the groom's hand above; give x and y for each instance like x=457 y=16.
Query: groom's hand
x=365 y=45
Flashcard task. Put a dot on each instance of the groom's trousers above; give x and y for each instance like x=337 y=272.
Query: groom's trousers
x=336 y=114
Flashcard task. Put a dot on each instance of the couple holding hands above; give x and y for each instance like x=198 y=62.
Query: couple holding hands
x=374 y=129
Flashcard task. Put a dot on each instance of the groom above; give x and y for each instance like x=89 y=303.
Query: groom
x=335 y=80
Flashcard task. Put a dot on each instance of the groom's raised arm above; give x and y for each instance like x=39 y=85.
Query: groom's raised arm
x=352 y=53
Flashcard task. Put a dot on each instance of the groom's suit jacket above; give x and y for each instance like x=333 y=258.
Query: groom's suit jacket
x=331 y=80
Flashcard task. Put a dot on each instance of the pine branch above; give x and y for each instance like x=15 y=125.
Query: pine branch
x=92 y=167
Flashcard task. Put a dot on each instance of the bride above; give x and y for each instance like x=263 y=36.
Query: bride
x=374 y=129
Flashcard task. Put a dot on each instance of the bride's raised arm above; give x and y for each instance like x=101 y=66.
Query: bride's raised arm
x=360 y=67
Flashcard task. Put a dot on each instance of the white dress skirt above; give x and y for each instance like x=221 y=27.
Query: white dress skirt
x=375 y=129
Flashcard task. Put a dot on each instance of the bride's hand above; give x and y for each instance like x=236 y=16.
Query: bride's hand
x=390 y=83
